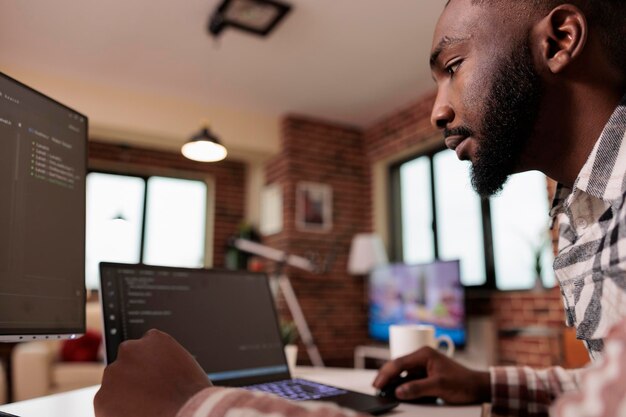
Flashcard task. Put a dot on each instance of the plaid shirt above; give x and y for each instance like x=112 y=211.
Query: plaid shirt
x=602 y=390
x=590 y=268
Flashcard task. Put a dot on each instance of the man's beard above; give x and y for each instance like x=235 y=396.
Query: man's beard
x=511 y=111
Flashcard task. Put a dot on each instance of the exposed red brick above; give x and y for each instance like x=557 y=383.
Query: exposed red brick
x=333 y=303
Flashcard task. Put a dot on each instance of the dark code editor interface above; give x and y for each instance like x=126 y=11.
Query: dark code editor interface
x=42 y=212
x=225 y=320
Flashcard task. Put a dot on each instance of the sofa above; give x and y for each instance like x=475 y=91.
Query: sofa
x=38 y=369
x=3 y=385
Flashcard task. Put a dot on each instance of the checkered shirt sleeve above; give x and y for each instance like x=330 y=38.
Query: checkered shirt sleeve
x=523 y=391
x=602 y=387
x=229 y=402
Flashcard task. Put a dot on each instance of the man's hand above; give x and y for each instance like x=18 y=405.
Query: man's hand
x=153 y=376
x=445 y=379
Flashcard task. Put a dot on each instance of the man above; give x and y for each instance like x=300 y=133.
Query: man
x=522 y=85
x=528 y=85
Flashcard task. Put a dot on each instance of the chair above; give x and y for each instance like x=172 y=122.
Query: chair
x=575 y=354
x=38 y=370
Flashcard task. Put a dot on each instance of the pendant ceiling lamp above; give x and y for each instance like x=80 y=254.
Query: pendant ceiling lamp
x=204 y=146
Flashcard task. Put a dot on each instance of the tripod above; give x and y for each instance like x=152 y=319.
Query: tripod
x=280 y=280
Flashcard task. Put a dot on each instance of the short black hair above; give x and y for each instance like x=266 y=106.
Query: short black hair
x=606 y=16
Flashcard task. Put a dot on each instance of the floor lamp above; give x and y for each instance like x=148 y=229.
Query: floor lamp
x=283 y=260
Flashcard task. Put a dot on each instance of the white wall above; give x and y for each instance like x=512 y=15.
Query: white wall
x=153 y=120
x=165 y=123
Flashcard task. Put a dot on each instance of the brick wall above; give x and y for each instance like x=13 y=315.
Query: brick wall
x=401 y=130
x=333 y=302
x=530 y=326
x=229 y=177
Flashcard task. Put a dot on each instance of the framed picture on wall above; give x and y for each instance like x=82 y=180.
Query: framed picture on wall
x=314 y=207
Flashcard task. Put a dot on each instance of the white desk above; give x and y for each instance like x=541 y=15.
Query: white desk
x=79 y=403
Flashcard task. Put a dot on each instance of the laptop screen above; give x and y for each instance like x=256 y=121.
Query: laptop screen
x=226 y=319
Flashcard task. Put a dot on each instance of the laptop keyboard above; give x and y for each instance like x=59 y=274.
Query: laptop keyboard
x=297 y=389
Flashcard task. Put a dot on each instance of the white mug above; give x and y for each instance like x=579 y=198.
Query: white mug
x=407 y=338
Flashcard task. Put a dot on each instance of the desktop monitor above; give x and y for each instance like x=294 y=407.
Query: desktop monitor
x=43 y=161
x=428 y=293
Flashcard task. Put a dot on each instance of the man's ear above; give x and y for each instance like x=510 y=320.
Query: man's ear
x=562 y=36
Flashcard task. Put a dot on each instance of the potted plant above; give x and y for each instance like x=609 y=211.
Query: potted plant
x=289 y=336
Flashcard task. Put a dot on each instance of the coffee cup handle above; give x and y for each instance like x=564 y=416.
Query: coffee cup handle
x=450 y=344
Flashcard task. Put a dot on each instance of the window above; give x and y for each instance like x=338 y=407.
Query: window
x=152 y=220
x=502 y=242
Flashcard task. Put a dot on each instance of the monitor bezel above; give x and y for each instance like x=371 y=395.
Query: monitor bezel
x=32 y=334
x=224 y=382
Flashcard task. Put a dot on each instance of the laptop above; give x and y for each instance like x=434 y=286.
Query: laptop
x=226 y=319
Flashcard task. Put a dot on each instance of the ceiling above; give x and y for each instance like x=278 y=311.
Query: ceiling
x=350 y=61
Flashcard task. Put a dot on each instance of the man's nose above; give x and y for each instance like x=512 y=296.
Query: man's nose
x=442 y=114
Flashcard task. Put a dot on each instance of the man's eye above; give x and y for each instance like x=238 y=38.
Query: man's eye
x=452 y=68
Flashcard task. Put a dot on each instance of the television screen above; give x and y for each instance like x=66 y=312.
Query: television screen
x=421 y=294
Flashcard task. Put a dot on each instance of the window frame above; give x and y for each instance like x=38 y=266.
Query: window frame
x=396 y=226
x=145 y=173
